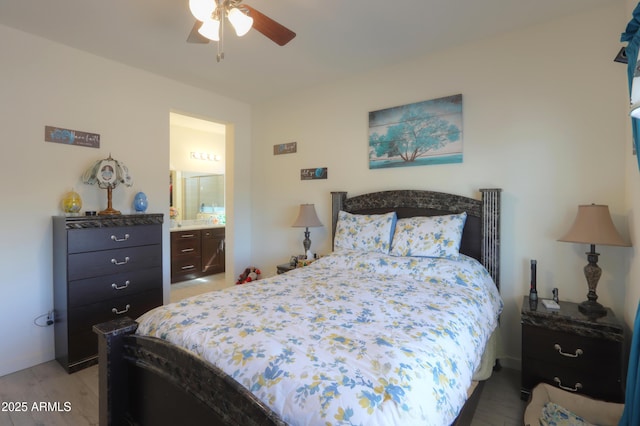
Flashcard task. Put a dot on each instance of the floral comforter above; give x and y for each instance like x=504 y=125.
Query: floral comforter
x=351 y=339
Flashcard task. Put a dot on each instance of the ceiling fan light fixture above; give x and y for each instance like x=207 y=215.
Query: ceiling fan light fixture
x=202 y=9
x=241 y=22
x=210 y=29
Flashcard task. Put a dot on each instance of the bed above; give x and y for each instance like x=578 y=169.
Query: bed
x=369 y=334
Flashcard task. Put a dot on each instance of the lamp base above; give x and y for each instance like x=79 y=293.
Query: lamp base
x=109 y=212
x=592 y=309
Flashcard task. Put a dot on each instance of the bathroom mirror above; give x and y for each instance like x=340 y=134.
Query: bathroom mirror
x=197 y=196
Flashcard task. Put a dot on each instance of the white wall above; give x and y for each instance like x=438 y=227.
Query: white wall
x=543 y=120
x=186 y=140
x=43 y=83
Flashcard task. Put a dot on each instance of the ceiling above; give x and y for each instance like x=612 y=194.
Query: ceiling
x=335 y=38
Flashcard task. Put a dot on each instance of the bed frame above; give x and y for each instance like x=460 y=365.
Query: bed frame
x=147 y=381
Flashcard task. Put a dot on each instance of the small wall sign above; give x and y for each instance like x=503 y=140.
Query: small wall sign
x=312 y=174
x=285 y=148
x=71 y=137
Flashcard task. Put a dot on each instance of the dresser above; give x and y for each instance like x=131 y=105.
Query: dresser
x=196 y=253
x=569 y=350
x=104 y=267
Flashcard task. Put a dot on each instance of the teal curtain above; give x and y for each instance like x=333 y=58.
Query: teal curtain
x=631 y=414
x=632 y=36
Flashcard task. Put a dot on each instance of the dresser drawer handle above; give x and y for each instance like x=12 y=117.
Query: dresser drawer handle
x=575 y=388
x=121 y=287
x=187 y=250
x=186 y=267
x=114 y=238
x=558 y=348
x=187 y=236
x=115 y=262
x=124 y=311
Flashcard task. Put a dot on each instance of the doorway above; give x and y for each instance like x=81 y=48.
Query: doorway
x=197 y=188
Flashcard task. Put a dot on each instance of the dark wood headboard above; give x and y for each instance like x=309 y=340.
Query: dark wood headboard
x=481 y=234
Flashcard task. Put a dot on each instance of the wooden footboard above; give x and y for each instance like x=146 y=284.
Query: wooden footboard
x=147 y=381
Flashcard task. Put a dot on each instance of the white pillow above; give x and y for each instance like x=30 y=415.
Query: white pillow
x=368 y=233
x=435 y=236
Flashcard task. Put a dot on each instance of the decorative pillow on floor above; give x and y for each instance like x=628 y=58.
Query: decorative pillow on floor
x=555 y=415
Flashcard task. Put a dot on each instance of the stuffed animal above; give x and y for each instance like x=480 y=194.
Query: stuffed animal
x=249 y=274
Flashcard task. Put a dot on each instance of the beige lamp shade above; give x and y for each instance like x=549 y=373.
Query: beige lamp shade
x=307 y=217
x=593 y=225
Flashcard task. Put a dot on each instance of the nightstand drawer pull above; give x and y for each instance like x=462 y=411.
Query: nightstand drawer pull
x=124 y=311
x=187 y=267
x=187 y=235
x=115 y=262
x=558 y=348
x=114 y=238
x=575 y=388
x=187 y=250
x=121 y=287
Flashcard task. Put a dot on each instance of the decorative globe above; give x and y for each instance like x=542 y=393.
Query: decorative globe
x=71 y=202
x=140 y=202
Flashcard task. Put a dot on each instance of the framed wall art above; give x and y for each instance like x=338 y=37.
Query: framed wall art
x=418 y=134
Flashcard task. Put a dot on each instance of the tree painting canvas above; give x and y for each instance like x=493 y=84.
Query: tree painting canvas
x=423 y=133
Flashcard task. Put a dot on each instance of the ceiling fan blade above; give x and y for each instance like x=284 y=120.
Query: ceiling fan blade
x=195 y=36
x=278 y=33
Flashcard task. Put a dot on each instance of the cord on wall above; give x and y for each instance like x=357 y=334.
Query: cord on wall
x=49 y=319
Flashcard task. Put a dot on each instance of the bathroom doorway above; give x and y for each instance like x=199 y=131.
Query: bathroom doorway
x=196 y=193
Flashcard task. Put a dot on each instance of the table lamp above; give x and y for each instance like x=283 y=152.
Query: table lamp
x=307 y=217
x=593 y=225
x=107 y=174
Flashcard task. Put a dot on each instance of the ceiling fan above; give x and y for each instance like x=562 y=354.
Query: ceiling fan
x=210 y=24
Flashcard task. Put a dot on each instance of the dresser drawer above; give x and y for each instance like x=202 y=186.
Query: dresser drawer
x=84 y=317
x=570 y=350
x=93 y=239
x=108 y=262
x=91 y=290
x=83 y=342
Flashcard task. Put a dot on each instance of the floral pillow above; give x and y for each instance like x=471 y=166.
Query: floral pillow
x=368 y=233
x=435 y=236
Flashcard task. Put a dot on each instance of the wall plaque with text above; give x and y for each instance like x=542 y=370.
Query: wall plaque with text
x=71 y=137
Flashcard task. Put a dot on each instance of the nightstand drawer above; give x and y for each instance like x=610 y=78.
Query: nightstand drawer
x=570 y=350
x=599 y=382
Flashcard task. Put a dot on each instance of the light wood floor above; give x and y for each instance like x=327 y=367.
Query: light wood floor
x=48 y=396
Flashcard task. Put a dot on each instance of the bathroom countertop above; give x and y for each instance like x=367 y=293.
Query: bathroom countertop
x=196 y=226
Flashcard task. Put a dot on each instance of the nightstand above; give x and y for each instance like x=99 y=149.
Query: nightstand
x=567 y=349
x=285 y=267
